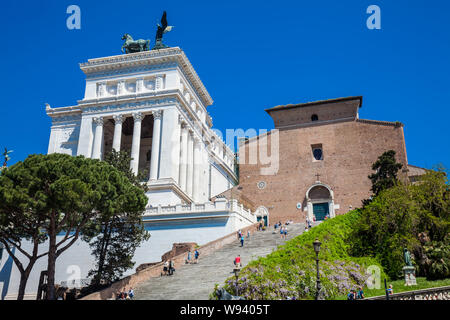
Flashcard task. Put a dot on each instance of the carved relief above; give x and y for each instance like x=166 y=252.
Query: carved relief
x=111 y=89
x=149 y=84
x=121 y=87
x=68 y=140
x=101 y=89
x=159 y=82
x=139 y=85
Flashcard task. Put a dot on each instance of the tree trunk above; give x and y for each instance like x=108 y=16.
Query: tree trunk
x=23 y=283
x=51 y=259
x=102 y=253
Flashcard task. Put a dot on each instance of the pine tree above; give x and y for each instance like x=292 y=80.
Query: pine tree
x=114 y=244
x=48 y=195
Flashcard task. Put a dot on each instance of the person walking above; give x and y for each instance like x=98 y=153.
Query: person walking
x=237 y=261
x=171 y=267
x=360 y=294
x=242 y=241
x=281 y=232
x=165 y=268
x=351 y=295
x=131 y=293
x=390 y=290
x=196 y=255
x=248 y=234
x=188 y=259
x=285 y=233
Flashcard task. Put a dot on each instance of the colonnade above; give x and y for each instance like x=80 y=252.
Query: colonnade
x=190 y=156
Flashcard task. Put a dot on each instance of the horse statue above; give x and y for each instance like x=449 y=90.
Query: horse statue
x=132 y=46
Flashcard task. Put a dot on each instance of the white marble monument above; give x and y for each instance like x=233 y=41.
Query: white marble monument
x=154 y=105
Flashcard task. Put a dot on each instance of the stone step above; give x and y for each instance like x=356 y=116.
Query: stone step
x=197 y=281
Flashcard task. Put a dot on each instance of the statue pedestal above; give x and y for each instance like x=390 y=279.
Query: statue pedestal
x=410 y=275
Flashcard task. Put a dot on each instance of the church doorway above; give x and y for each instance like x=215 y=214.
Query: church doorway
x=262 y=214
x=320 y=202
x=321 y=210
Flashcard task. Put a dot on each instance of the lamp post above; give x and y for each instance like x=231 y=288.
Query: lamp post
x=316 y=245
x=236 y=271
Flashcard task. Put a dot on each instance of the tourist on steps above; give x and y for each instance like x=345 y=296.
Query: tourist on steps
x=237 y=261
x=165 y=268
x=196 y=254
x=171 y=267
x=360 y=294
x=188 y=259
x=242 y=241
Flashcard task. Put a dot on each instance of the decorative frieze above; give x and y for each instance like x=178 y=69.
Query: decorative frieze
x=129 y=106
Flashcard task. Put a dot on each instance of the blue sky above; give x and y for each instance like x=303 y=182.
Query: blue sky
x=250 y=55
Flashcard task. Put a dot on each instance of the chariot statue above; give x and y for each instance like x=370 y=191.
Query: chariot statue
x=132 y=46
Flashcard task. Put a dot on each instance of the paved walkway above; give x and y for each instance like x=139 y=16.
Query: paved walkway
x=196 y=281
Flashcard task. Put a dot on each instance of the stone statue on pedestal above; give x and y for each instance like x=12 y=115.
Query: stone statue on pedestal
x=408 y=270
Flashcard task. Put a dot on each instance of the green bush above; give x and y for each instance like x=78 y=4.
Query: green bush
x=416 y=217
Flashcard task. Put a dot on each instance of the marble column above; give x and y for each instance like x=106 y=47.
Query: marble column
x=197 y=166
x=118 y=120
x=190 y=163
x=136 y=142
x=154 y=161
x=98 y=138
x=183 y=156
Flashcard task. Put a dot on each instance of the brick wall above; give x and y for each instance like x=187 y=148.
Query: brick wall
x=349 y=150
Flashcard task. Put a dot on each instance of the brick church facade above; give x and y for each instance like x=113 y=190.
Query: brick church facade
x=325 y=156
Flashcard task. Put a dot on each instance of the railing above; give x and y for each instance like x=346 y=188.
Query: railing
x=439 y=293
x=76 y=283
x=217 y=206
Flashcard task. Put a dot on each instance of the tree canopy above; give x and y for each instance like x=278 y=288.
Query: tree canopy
x=413 y=216
x=114 y=238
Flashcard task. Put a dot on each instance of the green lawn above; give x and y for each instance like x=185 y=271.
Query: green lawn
x=399 y=286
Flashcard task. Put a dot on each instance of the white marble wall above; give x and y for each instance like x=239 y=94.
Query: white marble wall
x=78 y=257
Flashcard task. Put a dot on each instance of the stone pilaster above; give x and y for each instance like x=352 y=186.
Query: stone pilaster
x=169 y=166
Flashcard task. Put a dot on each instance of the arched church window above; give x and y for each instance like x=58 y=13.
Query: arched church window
x=314 y=117
x=318 y=154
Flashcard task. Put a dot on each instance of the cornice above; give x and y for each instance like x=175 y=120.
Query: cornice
x=149 y=58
